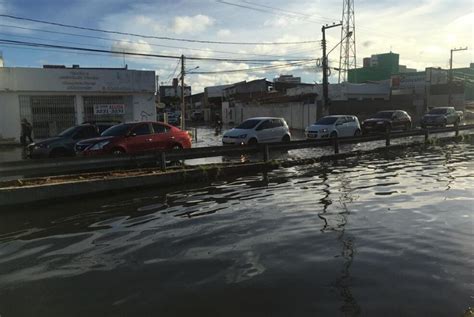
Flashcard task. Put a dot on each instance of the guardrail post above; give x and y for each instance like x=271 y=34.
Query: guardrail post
x=387 y=139
x=195 y=134
x=266 y=153
x=427 y=135
x=336 y=145
x=457 y=130
x=163 y=161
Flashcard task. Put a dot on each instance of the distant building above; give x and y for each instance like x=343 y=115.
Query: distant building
x=287 y=79
x=171 y=95
x=377 y=67
x=56 y=97
x=431 y=88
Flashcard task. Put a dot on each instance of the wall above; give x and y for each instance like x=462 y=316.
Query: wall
x=296 y=114
x=10 y=126
x=77 y=80
x=143 y=109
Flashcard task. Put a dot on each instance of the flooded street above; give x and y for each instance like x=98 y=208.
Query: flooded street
x=386 y=234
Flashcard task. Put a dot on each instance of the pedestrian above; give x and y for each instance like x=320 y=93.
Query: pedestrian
x=26 y=130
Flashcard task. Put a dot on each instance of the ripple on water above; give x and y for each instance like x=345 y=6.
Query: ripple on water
x=395 y=228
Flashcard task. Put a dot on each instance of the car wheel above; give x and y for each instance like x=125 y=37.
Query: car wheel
x=286 y=138
x=177 y=147
x=333 y=134
x=118 y=151
x=252 y=141
x=357 y=132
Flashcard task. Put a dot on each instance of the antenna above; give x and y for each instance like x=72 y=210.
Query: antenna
x=347 y=58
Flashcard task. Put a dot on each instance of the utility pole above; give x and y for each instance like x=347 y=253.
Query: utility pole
x=450 y=101
x=325 y=66
x=183 y=103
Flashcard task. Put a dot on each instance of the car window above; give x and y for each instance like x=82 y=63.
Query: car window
x=85 y=133
x=248 y=124
x=277 y=123
x=265 y=125
x=326 y=121
x=142 y=129
x=159 y=128
x=341 y=120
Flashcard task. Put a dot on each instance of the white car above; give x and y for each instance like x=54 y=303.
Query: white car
x=334 y=126
x=258 y=130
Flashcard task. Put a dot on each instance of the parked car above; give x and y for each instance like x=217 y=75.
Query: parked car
x=334 y=126
x=386 y=121
x=441 y=117
x=63 y=144
x=134 y=138
x=258 y=130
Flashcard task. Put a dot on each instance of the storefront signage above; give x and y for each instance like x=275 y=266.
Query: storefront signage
x=109 y=109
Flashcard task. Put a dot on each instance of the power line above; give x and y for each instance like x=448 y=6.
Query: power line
x=286 y=15
x=101 y=46
x=151 y=36
x=133 y=42
x=33 y=44
x=289 y=12
x=253 y=69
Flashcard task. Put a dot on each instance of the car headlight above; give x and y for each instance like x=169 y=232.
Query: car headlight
x=323 y=130
x=99 y=146
x=41 y=146
x=242 y=136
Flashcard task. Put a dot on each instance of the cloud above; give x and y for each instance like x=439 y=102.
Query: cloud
x=367 y=44
x=224 y=33
x=192 y=25
x=137 y=47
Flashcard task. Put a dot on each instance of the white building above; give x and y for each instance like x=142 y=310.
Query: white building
x=53 y=98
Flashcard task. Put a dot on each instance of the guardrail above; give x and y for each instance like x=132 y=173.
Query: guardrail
x=49 y=167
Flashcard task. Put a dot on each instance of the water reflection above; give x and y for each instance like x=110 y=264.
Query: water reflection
x=344 y=282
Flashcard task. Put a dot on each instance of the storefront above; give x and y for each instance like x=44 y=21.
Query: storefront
x=53 y=99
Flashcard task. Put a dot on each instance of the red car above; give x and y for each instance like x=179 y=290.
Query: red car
x=134 y=138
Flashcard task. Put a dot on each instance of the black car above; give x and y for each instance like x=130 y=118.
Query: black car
x=386 y=121
x=63 y=144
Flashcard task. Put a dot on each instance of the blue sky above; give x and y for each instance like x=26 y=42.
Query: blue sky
x=422 y=32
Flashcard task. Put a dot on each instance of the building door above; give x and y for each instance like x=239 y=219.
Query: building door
x=49 y=115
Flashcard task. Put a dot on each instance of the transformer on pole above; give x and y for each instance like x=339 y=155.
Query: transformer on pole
x=347 y=58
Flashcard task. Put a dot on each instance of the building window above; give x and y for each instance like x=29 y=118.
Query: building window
x=49 y=115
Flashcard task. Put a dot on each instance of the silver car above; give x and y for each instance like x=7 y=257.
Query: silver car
x=334 y=126
x=258 y=130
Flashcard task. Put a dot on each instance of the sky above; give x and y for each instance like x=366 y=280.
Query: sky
x=422 y=32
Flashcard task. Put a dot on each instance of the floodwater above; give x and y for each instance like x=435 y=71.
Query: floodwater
x=387 y=234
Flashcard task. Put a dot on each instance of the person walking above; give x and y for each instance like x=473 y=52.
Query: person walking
x=26 y=130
